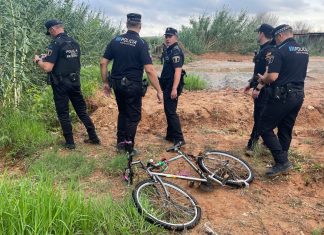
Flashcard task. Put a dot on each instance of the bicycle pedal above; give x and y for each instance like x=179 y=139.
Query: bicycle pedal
x=191 y=184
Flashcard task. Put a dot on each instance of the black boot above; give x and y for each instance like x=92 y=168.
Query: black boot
x=279 y=168
x=69 y=142
x=93 y=138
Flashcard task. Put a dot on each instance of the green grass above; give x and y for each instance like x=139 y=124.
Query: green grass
x=71 y=167
x=318 y=231
x=30 y=206
x=90 y=80
x=116 y=165
x=21 y=133
x=194 y=82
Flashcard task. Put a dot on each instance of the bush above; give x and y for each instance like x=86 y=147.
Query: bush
x=21 y=132
x=194 y=82
x=223 y=31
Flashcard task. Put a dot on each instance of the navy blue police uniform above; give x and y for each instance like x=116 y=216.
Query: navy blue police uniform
x=129 y=53
x=173 y=58
x=290 y=60
x=64 y=53
x=259 y=67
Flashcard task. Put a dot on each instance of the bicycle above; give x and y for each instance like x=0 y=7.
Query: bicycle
x=170 y=206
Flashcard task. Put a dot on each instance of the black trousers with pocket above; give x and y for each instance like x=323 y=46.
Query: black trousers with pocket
x=281 y=114
x=64 y=92
x=129 y=102
x=174 y=131
x=259 y=107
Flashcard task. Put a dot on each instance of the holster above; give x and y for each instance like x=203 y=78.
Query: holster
x=181 y=83
x=279 y=93
x=74 y=77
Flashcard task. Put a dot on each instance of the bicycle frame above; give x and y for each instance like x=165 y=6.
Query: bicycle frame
x=181 y=155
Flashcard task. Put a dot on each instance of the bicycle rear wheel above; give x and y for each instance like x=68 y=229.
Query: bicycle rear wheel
x=228 y=169
x=179 y=211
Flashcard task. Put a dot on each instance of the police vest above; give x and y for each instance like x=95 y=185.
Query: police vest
x=69 y=57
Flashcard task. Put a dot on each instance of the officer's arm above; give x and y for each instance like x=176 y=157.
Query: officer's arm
x=103 y=69
x=176 y=79
x=152 y=76
x=270 y=78
x=46 y=66
x=274 y=64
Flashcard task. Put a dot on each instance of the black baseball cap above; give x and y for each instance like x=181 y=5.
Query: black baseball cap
x=281 y=28
x=171 y=31
x=51 y=23
x=265 y=28
x=134 y=17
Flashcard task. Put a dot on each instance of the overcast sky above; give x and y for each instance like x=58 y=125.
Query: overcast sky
x=159 y=14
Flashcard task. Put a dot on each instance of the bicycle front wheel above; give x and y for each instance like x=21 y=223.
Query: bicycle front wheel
x=178 y=211
x=228 y=169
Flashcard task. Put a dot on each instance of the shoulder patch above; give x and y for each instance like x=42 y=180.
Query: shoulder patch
x=269 y=57
x=176 y=59
x=49 y=52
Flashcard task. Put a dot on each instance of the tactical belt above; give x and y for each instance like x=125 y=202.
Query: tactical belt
x=281 y=92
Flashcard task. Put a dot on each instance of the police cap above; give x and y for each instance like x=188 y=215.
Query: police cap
x=171 y=31
x=134 y=17
x=51 y=23
x=265 y=28
x=281 y=28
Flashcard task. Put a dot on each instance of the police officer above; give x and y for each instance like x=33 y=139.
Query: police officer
x=130 y=54
x=171 y=81
x=62 y=63
x=264 y=39
x=286 y=74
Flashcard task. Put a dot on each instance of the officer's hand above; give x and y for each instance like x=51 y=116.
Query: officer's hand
x=174 y=94
x=255 y=94
x=247 y=88
x=36 y=58
x=159 y=96
x=106 y=90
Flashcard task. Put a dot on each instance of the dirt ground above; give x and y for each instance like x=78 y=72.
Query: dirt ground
x=221 y=118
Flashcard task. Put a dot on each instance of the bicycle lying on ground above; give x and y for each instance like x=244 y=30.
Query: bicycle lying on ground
x=165 y=203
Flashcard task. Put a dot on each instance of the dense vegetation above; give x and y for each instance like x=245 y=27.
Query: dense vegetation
x=223 y=31
x=22 y=35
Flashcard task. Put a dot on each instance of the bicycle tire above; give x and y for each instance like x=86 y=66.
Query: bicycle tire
x=229 y=169
x=150 y=200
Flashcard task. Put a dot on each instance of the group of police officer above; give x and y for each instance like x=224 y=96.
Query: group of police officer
x=278 y=85
x=278 y=91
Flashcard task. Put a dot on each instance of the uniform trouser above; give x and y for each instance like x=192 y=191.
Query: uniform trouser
x=281 y=114
x=170 y=108
x=259 y=107
x=63 y=92
x=129 y=102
